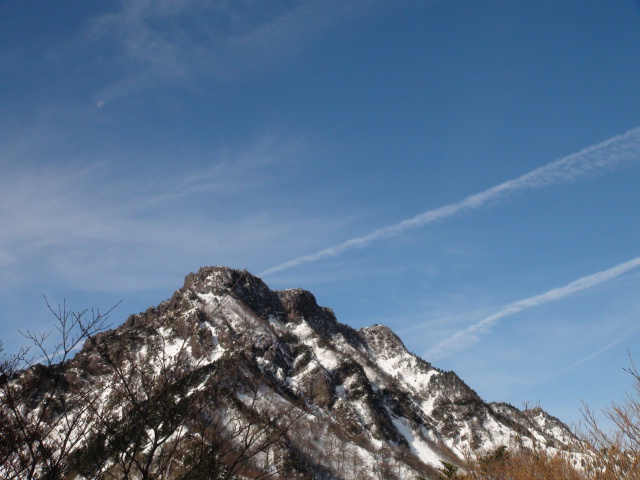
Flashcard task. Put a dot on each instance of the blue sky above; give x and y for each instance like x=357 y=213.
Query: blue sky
x=465 y=172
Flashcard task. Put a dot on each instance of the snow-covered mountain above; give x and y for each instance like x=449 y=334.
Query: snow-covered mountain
x=272 y=384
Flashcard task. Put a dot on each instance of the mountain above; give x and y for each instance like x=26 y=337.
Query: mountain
x=230 y=379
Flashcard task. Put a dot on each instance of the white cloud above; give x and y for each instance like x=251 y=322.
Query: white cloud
x=592 y=160
x=103 y=227
x=471 y=334
x=180 y=42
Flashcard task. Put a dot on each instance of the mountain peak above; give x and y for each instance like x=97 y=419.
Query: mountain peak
x=216 y=278
x=382 y=341
x=298 y=302
x=249 y=289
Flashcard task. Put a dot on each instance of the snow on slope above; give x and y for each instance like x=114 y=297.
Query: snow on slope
x=394 y=396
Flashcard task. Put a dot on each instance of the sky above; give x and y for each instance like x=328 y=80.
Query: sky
x=464 y=172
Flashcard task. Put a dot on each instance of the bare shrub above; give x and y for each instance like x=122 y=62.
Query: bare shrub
x=614 y=453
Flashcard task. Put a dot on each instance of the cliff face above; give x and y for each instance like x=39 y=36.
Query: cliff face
x=326 y=401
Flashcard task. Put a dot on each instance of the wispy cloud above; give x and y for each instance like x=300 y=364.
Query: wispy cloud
x=109 y=227
x=597 y=353
x=592 y=160
x=471 y=334
x=179 y=42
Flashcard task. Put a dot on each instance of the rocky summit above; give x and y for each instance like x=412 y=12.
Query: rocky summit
x=230 y=379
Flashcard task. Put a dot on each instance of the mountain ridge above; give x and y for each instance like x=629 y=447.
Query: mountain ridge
x=359 y=394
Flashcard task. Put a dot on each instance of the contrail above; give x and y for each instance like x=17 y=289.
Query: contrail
x=470 y=335
x=607 y=154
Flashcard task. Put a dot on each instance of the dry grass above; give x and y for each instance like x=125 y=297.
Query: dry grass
x=528 y=465
x=523 y=465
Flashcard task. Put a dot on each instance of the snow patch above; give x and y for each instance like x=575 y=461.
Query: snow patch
x=418 y=446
